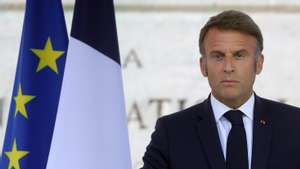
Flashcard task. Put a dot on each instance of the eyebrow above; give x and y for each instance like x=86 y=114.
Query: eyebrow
x=216 y=52
x=222 y=53
x=241 y=51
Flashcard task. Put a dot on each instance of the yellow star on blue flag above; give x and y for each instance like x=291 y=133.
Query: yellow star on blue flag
x=37 y=86
x=15 y=156
x=21 y=101
x=47 y=56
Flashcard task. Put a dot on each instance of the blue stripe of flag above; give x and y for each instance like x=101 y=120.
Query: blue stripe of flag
x=94 y=24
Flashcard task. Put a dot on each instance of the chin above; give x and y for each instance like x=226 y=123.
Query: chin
x=230 y=95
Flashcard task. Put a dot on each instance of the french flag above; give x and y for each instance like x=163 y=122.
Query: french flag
x=91 y=125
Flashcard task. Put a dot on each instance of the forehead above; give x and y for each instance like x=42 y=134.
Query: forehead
x=228 y=40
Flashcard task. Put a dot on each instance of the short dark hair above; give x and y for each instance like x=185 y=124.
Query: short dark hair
x=232 y=20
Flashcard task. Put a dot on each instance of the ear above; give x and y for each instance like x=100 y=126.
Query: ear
x=203 y=66
x=259 y=63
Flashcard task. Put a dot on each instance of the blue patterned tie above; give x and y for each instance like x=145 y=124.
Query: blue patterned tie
x=236 y=154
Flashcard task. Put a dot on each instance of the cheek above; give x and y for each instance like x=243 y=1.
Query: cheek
x=212 y=73
x=248 y=74
x=215 y=73
x=214 y=77
x=214 y=68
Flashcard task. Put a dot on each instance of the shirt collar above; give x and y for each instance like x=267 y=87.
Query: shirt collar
x=219 y=109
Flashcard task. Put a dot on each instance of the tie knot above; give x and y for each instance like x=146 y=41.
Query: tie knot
x=235 y=117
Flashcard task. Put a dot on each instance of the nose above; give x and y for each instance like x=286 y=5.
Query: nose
x=228 y=65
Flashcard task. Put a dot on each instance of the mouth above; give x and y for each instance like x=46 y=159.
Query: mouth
x=229 y=82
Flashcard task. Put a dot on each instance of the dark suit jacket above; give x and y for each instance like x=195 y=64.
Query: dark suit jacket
x=189 y=139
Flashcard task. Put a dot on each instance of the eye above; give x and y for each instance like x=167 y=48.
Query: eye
x=217 y=56
x=239 y=55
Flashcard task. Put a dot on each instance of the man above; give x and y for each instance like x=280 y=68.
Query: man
x=233 y=128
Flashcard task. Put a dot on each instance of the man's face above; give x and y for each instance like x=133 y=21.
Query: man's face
x=231 y=64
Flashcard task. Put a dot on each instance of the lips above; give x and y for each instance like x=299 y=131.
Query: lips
x=229 y=82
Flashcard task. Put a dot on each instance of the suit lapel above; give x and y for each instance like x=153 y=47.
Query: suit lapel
x=209 y=137
x=261 y=135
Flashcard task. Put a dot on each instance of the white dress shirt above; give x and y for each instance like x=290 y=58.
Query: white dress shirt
x=224 y=126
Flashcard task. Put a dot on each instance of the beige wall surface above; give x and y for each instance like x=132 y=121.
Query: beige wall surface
x=159 y=54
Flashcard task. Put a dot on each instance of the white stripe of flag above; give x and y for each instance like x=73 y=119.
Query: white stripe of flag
x=91 y=126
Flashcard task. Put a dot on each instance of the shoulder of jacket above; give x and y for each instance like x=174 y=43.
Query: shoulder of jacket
x=183 y=115
x=279 y=105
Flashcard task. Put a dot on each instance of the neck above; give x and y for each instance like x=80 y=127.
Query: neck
x=234 y=103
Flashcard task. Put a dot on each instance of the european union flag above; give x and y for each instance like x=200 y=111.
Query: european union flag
x=37 y=86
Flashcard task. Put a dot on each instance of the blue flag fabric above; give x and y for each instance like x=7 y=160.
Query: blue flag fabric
x=91 y=126
x=37 y=86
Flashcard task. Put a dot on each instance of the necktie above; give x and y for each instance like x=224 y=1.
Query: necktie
x=236 y=153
